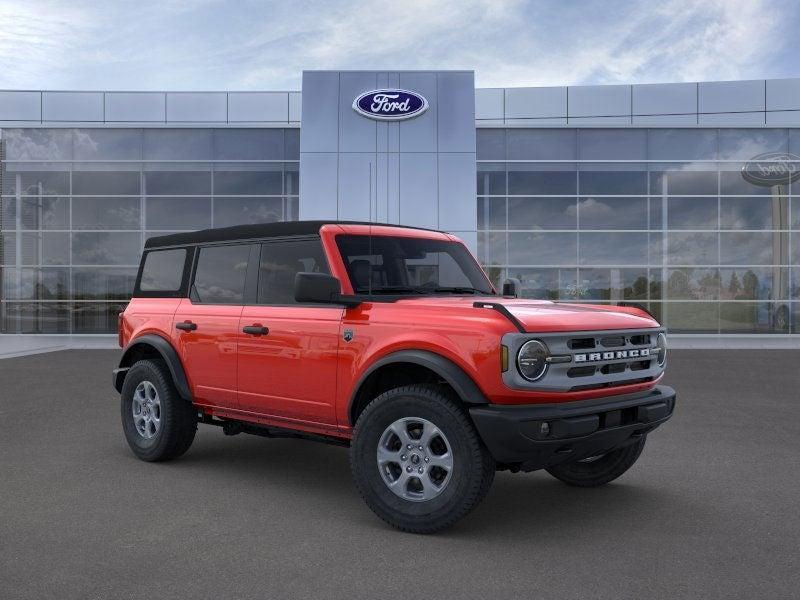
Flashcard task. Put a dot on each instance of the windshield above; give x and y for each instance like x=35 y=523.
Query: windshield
x=399 y=266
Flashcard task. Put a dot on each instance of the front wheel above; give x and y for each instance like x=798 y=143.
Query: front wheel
x=418 y=461
x=601 y=469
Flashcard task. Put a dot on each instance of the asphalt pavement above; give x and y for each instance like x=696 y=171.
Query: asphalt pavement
x=710 y=510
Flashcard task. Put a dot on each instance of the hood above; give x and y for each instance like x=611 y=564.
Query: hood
x=543 y=316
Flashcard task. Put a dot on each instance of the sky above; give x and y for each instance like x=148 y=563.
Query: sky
x=262 y=45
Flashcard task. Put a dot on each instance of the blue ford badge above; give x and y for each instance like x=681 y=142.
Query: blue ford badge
x=390 y=105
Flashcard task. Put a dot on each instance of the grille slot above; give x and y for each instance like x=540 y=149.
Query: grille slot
x=613 y=342
x=581 y=344
x=581 y=371
x=641 y=339
x=640 y=365
x=613 y=368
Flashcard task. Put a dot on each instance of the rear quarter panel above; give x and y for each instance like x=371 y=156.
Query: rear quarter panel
x=148 y=315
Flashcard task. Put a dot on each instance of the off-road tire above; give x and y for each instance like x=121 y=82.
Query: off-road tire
x=178 y=417
x=602 y=470
x=473 y=468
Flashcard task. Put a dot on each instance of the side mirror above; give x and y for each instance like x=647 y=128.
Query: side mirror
x=512 y=287
x=320 y=288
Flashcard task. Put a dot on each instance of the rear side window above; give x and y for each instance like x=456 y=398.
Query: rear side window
x=280 y=262
x=220 y=274
x=163 y=270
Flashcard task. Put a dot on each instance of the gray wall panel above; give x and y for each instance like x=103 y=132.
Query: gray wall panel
x=665 y=120
x=536 y=103
x=731 y=96
x=197 y=107
x=580 y=121
x=318 y=185
x=258 y=106
x=320 y=129
x=599 y=100
x=784 y=118
x=72 y=106
x=456 y=118
x=356 y=186
x=489 y=103
x=457 y=210
x=20 y=106
x=136 y=107
x=783 y=94
x=664 y=98
x=418 y=190
x=356 y=133
x=744 y=118
x=295 y=106
x=419 y=134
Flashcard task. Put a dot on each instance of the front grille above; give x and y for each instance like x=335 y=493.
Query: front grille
x=589 y=360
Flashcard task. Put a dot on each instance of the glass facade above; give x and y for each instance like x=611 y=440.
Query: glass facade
x=77 y=205
x=662 y=217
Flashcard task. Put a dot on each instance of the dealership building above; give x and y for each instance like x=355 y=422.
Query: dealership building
x=680 y=197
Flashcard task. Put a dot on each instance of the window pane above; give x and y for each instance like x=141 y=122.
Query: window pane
x=220 y=274
x=492 y=213
x=35 y=317
x=177 y=183
x=116 y=183
x=491 y=179
x=36 y=183
x=178 y=144
x=105 y=213
x=96 y=317
x=45 y=213
x=492 y=248
x=612 y=213
x=693 y=284
x=747 y=143
x=243 y=211
x=692 y=248
x=692 y=213
x=121 y=248
x=36 y=284
x=491 y=144
x=732 y=182
x=291 y=178
x=172 y=213
x=613 y=182
x=523 y=182
x=38 y=144
x=682 y=144
x=249 y=144
x=547 y=284
x=753 y=213
x=692 y=317
x=291 y=144
x=250 y=183
x=612 y=144
x=163 y=270
x=280 y=262
x=612 y=285
x=45 y=248
x=542 y=248
x=108 y=144
x=104 y=283
x=541 y=144
x=683 y=183
x=755 y=283
x=746 y=317
x=749 y=248
x=613 y=249
x=542 y=213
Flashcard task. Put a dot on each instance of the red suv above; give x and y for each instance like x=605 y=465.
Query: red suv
x=389 y=340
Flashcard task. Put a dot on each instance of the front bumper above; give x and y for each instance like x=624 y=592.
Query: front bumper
x=534 y=437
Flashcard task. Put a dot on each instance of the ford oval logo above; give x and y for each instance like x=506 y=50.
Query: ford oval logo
x=772 y=168
x=390 y=105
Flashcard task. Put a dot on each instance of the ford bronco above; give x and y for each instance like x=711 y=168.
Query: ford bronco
x=392 y=341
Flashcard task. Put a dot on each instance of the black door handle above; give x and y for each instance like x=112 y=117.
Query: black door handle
x=186 y=326
x=255 y=330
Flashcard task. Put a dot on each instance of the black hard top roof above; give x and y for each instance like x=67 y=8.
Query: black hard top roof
x=250 y=232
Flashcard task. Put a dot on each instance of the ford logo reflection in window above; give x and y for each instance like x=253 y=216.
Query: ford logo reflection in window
x=390 y=105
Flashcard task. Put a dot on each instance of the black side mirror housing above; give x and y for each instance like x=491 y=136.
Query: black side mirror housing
x=511 y=287
x=320 y=288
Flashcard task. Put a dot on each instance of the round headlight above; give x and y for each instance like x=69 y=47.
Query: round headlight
x=661 y=348
x=532 y=360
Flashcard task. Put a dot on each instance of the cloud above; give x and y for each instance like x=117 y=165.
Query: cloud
x=213 y=44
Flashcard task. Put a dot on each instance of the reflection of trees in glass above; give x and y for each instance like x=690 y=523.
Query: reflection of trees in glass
x=684 y=283
x=638 y=290
x=749 y=286
x=734 y=286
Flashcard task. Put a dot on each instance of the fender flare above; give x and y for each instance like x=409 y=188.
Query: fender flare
x=462 y=384
x=167 y=352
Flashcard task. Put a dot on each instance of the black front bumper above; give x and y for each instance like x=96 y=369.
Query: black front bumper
x=537 y=436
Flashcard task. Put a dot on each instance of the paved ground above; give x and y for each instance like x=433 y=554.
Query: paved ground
x=710 y=510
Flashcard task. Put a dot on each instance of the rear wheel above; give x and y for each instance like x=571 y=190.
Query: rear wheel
x=417 y=460
x=601 y=469
x=158 y=423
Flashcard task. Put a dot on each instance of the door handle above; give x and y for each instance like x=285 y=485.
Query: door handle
x=255 y=330
x=186 y=326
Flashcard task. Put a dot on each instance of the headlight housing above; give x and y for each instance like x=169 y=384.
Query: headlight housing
x=532 y=360
x=661 y=348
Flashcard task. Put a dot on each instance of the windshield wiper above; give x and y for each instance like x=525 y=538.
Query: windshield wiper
x=460 y=290
x=393 y=289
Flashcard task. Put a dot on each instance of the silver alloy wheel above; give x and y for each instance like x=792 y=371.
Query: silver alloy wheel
x=415 y=459
x=146 y=408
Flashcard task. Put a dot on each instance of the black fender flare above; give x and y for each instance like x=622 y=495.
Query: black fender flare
x=167 y=352
x=462 y=384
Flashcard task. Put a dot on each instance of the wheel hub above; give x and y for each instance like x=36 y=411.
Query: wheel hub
x=146 y=409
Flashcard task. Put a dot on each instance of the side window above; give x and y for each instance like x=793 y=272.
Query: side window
x=163 y=270
x=220 y=274
x=280 y=262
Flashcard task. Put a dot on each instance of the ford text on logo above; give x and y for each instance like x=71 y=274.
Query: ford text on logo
x=617 y=355
x=390 y=105
x=772 y=168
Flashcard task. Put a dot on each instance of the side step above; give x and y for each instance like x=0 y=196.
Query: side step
x=231 y=427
